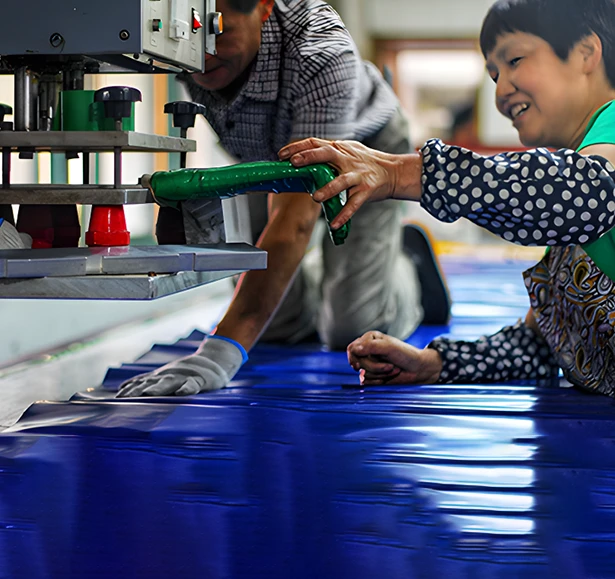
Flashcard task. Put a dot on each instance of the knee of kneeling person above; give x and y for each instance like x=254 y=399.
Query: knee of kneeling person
x=337 y=333
x=342 y=322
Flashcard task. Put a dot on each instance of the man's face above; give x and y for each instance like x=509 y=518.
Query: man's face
x=540 y=94
x=237 y=46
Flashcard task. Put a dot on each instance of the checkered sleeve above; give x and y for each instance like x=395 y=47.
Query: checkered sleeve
x=325 y=105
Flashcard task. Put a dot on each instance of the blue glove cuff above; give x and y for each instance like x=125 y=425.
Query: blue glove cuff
x=244 y=354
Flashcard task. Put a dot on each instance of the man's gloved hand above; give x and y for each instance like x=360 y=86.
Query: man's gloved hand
x=212 y=367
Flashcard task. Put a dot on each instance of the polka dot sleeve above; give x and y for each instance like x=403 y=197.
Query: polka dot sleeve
x=532 y=198
x=514 y=353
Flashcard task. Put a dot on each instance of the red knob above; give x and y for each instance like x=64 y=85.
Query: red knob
x=107 y=227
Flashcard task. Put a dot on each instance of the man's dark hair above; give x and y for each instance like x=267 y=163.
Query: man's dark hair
x=245 y=6
x=561 y=23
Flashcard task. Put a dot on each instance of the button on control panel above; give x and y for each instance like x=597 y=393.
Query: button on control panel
x=197 y=23
x=176 y=30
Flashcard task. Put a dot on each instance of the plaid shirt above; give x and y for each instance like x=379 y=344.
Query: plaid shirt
x=308 y=80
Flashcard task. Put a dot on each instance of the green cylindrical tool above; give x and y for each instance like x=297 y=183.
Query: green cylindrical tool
x=171 y=187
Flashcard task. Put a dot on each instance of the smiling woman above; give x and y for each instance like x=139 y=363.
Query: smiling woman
x=561 y=28
x=552 y=62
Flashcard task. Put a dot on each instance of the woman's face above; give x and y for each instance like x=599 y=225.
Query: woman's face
x=540 y=93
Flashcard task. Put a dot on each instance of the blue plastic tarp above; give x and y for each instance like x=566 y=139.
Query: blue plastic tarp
x=296 y=472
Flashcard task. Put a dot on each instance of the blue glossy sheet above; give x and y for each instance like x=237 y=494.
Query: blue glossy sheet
x=294 y=472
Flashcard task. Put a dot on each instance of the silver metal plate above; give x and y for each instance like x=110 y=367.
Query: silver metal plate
x=17 y=263
x=75 y=195
x=95 y=141
x=123 y=287
x=121 y=273
x=138 y=260
x=157 y=259
x=238 y=254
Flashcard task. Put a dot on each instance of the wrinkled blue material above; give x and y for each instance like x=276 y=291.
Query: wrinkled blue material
x=295 y=472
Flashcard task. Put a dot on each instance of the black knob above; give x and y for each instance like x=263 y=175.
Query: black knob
x=118 y=101
x=5 y=110
x=184 y=113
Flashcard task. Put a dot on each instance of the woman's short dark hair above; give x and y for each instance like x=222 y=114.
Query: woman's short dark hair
x=245 y=6
x=561 y=23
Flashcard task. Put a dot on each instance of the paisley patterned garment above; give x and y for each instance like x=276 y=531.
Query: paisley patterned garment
x=574 y=306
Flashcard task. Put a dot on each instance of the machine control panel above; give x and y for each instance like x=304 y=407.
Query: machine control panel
x=169 y=34
x=174 y=33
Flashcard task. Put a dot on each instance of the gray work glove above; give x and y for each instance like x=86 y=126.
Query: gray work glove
x=212 y=367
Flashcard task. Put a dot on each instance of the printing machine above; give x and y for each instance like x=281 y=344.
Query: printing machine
x=50 y=48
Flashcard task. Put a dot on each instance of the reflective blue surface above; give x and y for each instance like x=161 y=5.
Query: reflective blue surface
x=295 y=472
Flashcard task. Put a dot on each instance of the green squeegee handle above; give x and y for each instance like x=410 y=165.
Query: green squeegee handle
x=172 y=187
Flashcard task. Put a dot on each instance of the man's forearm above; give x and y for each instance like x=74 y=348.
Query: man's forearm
x=259 y=293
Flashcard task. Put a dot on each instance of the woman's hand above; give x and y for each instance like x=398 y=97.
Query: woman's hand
x=364 y=173
x=381 y=359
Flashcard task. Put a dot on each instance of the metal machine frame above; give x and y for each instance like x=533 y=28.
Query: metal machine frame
x=67 y=40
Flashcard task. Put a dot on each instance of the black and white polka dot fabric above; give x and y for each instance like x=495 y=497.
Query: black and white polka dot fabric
x=514 y=353
x=529 y=198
